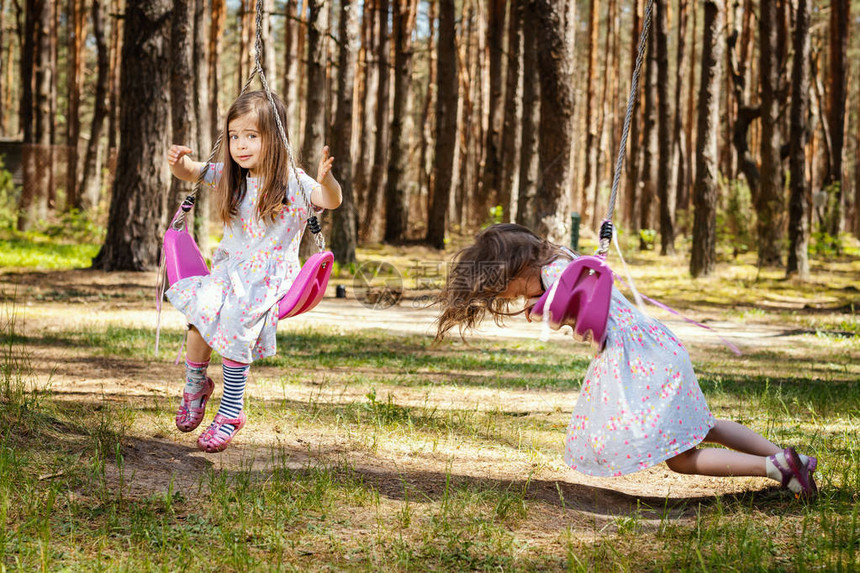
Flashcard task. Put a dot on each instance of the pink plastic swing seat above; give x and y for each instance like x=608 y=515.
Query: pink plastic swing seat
x=582 y=295
x=183 y=259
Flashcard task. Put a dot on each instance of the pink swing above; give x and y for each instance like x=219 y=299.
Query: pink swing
x=582 y=293
x=182 y=259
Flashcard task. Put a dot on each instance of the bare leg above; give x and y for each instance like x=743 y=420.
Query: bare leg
x=739 y=437
x=717 y=462
x=198 y=350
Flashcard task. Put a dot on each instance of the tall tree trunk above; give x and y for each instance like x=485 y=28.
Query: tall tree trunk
x=373 y=205
x=397 y=181
x=3 y=109
x=344 y=230
x=77 y=34
x=202 y=129
x=691 y=111
x=291 y=57
x=837 y=94
x=739 y=71
x=137 y=203
x=368 y=95
x=602 y=112
x=90 y=181
x=425 y=175
x=466 y=50
x=592 y=142
x=36 y=109
x=857 y=173
x=116 y=35
x=679 y=144
x=649 y=139
x=556 y=129
x=446 y=125
x=216 y=30
x=314 y=135
x=769 y=201
x=664 y=131
x=181 y=98
x=245 y=23
x=798 y=230
x=528 y=184
x=635 y=152
x=704 y=255
x=492 y=175
x=511 y=134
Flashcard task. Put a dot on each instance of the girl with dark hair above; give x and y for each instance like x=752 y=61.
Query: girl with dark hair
x=640 y=403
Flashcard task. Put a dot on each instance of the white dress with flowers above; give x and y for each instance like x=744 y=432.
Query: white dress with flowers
x=640 y=402
x=234 y=307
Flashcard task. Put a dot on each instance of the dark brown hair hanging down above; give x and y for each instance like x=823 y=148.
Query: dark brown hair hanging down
x=483 y=270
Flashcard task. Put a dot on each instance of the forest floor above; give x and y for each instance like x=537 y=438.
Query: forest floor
x=349 y=399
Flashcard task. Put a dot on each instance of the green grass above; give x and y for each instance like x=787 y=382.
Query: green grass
x=369 y=452
x=64 y=468
x=45 y=254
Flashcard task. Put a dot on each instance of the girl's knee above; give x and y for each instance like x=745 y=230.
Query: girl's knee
x=682 y=463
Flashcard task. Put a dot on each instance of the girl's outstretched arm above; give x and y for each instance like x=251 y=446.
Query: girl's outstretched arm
x=329 y=195
x=181 y=165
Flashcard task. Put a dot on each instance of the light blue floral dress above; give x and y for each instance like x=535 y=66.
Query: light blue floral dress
x=640 y=402
x=234 y=307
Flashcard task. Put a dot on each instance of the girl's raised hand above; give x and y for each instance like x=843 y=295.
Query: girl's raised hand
x=176 y=153
x=326 y=162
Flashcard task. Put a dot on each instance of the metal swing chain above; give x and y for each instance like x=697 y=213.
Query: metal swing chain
x=188 y=203
x=606 y=227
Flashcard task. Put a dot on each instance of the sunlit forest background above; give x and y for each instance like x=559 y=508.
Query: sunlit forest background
x=445 y=115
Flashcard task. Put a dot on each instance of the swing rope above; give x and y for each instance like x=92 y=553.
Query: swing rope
x=283 y=131
x=606 y=231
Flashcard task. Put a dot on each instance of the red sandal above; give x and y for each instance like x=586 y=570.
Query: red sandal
x=188 y=418
x=213 y=440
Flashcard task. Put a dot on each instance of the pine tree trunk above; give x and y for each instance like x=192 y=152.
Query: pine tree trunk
x=704 y=254
x=592 y=143
x=376 y=185
x=689 y=126
x=314 y=134
x=182 y=117
x=202 y=129
x=492 y=174
x=36 y=115
x=769 y=201
x=679 y=144
x=446 y=125
x=91 y=181
x=634 y=150
x=511 y=134
x=344 y=230
x=367 y=107
x=602 y=112
x=116 y=35
x=216 y=30
x=664 y=131
x=3 y=48
x=77 y=35
x=290 y=62
x=798 y=231
x=425 y=175
x=398 y=181
x=528 y=184
x=552 y=206
x=136 y=217
x=837 y=96
x=650 y=142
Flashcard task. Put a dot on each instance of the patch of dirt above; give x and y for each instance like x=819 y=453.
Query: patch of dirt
x=156 y=454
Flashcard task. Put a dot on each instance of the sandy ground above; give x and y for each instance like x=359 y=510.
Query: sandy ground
x=157 y=455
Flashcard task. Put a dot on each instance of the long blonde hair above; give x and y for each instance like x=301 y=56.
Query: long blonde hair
x=273 y=167
x=483 y=270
